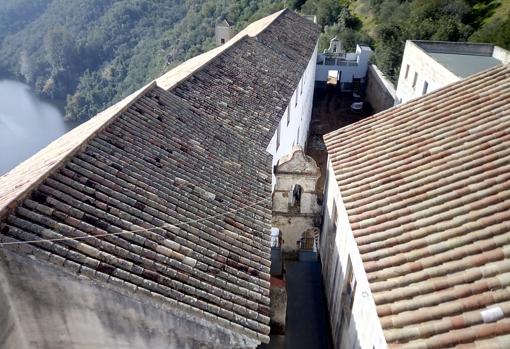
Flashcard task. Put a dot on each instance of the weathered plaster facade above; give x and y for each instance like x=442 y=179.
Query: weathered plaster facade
x=295 y=207
x=223 y=32
x=380 y=91
x=337 y=247
x=52 y=308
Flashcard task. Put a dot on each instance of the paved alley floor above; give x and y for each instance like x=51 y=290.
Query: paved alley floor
x=307 y=319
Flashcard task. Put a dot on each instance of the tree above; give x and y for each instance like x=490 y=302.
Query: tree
x=389 y=50
x=60 y=50
x=497 y=32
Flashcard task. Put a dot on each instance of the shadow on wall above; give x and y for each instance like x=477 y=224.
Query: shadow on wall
x=340 y=287
x=343 y=325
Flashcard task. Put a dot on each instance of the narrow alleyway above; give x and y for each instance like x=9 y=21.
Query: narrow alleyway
x=307 y=317
x=307 y=321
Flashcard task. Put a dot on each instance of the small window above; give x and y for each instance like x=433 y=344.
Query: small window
x=348 y=292
x=297 y=93
x=334 y=217
x=288 y=116
x=407 y=71
x=415 y=79
x=425 y=87
x=350 y=286
x=295 y=197
x=278 y=137
x=222 y=41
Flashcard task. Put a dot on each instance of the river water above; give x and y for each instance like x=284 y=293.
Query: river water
x=27 y=123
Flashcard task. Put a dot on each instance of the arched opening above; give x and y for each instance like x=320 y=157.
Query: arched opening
x=295 y=198
x=309 y=240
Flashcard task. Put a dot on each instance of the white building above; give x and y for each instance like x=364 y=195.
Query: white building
x=429 y=65
x=293 y=127
x=344 y=68
x=415 y=240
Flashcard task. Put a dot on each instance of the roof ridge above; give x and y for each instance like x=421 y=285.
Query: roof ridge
x=16 y=184
x=187 y=68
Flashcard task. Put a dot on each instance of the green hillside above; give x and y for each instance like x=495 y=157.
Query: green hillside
x=94 y=52
x=390 y=22
x=91 y=53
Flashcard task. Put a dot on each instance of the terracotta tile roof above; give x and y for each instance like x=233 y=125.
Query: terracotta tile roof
x=267 y=67
x=161 y=162
x=427 y=190
x=164 y=158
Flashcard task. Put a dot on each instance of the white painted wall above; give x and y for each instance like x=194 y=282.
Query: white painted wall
x=427 y=70
x=364 y=329
x=299 y=115
x=501 y=54
x=350 y=69
x=380 y=91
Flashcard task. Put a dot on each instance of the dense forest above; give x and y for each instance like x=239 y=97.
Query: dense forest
x=91 y=53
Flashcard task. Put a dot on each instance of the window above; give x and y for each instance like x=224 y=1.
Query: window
x=297 y=136
x=288 y=115
x=347 y=297
x=334 y=217
x=297 y=90
x=407 y=71
x=350 y=286
x=222 y=41
x=278 y=137
x=295 y=197
x=415 y=79
x=425 y=87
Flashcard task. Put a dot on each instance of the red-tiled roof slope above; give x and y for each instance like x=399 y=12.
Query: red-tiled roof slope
x=427 y=190
x=161 y=162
